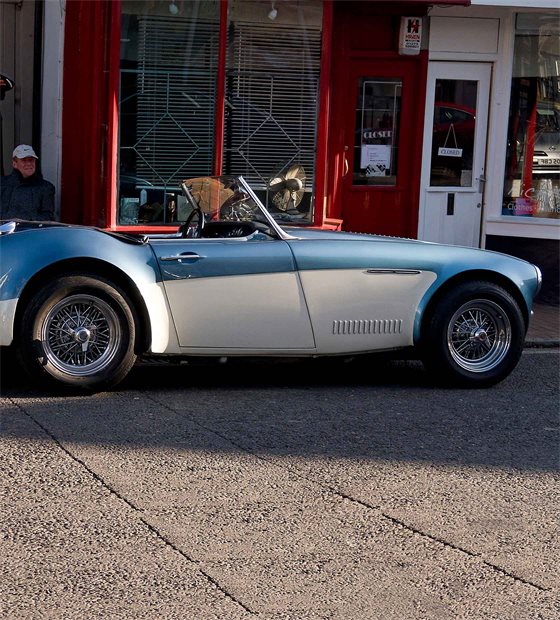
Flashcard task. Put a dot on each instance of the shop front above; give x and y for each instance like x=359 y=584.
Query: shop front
x=186 y=89
x=212 y=87
x=323 y=91
x=437 y=121
x=491 y=131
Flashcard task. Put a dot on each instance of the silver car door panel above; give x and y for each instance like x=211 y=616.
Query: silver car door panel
x=261 y=311
x=7 y=317
x=230 y=295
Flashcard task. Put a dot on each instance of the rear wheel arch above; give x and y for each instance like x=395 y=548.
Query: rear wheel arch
x=92 y=268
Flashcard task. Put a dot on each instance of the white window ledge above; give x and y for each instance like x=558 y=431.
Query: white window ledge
x=533 y=228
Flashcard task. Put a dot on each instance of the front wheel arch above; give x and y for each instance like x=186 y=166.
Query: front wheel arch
x=480 y=275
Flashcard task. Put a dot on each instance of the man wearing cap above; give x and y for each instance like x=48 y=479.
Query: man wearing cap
x=24 y=194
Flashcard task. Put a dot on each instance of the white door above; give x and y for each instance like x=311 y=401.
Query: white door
x=453 y=165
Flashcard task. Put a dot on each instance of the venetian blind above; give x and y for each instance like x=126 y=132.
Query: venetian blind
x=177 y=67
x=271 y=100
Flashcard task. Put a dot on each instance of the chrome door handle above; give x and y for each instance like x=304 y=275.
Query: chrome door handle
x=185 y=256
x=481 y=182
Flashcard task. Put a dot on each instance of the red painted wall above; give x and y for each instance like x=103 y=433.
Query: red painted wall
x=90 y=88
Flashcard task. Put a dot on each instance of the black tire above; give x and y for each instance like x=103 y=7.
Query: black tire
x=78 y=332
x=474 y=336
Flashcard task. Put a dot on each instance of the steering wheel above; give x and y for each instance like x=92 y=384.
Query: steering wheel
x=197 y=233
x=237 y=208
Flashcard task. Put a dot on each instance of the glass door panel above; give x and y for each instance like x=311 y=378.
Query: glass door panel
x=377 y=131
x=453 y=133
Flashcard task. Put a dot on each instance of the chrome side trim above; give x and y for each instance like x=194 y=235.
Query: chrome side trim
x=400 y=272
x=7 y=227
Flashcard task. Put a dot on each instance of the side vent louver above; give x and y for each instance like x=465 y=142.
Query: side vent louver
x=386 y=326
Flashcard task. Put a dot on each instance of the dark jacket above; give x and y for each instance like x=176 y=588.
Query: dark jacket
x=26 y=199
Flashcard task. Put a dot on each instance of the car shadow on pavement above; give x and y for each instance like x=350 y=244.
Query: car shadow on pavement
x=365 y=408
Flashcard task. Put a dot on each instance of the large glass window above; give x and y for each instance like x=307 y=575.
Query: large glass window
x=169 y=64
x=271 y=107
x=532 y=176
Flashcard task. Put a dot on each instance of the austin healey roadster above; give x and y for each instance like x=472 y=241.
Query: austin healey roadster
x=80 y=304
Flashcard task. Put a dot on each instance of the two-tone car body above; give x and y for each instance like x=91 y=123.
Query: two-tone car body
x=79 y=304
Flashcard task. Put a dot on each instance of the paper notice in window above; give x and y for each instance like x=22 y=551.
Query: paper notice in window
x=376 y=159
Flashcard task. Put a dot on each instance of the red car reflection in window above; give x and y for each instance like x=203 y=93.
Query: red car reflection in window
x=454 y=125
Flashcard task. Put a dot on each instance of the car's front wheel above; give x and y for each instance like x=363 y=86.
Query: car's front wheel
x=78 y=331
x=474 y=336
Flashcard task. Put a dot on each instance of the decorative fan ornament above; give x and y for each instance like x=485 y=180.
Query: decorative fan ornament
x=288 y=189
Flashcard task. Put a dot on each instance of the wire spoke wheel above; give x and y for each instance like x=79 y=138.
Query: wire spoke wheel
x=81 y=335
x=78 y=332
x=479 y=335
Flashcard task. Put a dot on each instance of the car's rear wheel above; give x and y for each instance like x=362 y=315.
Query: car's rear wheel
x=474 y=336
x=78 y=331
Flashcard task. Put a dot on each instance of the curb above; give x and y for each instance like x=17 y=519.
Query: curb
x=542 y=343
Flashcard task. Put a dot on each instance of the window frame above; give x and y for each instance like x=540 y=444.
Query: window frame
x=319 y=190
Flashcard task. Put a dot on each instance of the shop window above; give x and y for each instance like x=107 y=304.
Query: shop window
x=377 y=127
x=271 y=106
x=168 y=71
x=532 y=175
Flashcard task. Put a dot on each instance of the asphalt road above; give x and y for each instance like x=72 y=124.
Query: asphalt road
x=283 y=491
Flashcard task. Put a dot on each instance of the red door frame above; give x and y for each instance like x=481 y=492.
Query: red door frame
x=391 y=210
x=220 y=91
x=89 y=115
x=321 y=190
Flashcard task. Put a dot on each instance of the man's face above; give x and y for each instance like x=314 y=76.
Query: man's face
x=25 y=165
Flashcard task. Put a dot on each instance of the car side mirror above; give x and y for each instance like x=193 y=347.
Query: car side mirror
x=6 y=84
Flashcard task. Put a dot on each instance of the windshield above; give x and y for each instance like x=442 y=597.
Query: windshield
x=223 y=199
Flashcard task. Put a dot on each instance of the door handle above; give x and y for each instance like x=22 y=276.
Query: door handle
x=481 y=182
x=185 y=256
x=345 y=162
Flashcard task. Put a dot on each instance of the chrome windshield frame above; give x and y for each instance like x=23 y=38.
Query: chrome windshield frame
x=273 y=223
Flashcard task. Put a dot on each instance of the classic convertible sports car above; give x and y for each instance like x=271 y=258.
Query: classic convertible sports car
x=79 y=304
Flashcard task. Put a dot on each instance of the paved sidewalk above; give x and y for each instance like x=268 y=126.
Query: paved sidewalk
x=253 y=493
x=544 y=327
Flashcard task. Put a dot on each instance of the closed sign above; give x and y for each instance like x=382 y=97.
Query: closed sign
x=447 y=152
